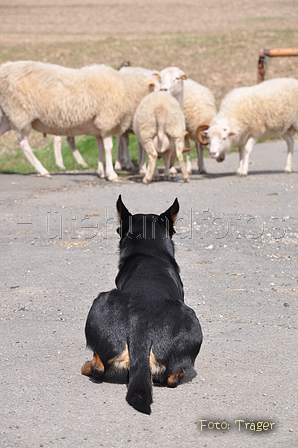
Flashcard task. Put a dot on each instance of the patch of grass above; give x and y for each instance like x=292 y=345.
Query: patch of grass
x=16 y=162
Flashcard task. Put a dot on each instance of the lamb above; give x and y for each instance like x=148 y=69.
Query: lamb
x=159 y=126
x=172 y=81
x=246 y=114
x=52 y=99
x=198 y=105
x=123 y=160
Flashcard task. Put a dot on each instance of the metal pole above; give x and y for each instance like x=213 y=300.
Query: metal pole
x=276 y=52
x=265 y=53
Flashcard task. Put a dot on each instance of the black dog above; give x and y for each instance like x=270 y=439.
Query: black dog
x=143 y=325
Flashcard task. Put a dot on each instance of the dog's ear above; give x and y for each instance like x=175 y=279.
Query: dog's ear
x=124 y=217
x=169 y=217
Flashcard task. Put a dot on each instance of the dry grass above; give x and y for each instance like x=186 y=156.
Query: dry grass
x=215 y=42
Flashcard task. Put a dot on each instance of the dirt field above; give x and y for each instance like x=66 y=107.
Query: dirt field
x=215 y=42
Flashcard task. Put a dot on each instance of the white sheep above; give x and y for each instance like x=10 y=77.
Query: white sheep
x=159 y=126
x=123 y=160
x=198 y=105
x=199 y=108
x=246 y=114
x=56 y=100
x=172 y=81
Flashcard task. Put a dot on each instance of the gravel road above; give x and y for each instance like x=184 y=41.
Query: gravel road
x=236 y=244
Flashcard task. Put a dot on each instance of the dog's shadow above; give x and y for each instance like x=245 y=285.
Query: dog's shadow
x=121 y=377
x=112 y=376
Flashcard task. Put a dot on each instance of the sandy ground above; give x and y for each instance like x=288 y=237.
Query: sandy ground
x=138 y=17
x=236 y=244
x=216 y=42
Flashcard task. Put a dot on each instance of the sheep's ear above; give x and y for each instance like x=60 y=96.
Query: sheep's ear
x=124 y=216
x=151 y=87
x=184 y=77
x=169 y=217
x=231 y=134
x=204 y=133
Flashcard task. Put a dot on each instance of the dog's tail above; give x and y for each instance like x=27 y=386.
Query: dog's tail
x=139 y=394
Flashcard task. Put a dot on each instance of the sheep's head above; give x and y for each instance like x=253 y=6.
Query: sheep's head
x=172 y=81
x=219 y=140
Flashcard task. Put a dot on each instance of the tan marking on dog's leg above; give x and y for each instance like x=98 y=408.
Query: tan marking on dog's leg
x=122 y=361
x=155 y=367
x=174 y=379
x=97 y=367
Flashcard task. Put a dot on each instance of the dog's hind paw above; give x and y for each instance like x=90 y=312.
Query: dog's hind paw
x=173 y=380
x=86 y=368
x=93 y=368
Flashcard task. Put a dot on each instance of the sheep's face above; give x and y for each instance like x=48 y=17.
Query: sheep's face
x=219 y=141
x=172 y=80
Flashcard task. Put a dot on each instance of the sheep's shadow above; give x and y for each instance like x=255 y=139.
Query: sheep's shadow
x=233 y=174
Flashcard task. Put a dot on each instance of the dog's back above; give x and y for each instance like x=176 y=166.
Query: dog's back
x=144 y=323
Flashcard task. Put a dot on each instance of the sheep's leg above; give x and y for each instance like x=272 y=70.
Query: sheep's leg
x=123 y=159
x=24 y=144
x=179 y=152
x=39 y=168
x=76 y=153
x=108 y=146
x=152 y=157
x=100 y=166
x=167 y=158
x=127 y=163
x=290 y=142
x=188 y=161
x=247 y=150
x=200 y=152
x=173 y=170
x=241 y=159
x=57 y=152
x=4 y=125
x=141 y=159
x=119 y=156
x=156 y=173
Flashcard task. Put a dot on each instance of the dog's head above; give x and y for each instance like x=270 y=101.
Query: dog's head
x=141 y=226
